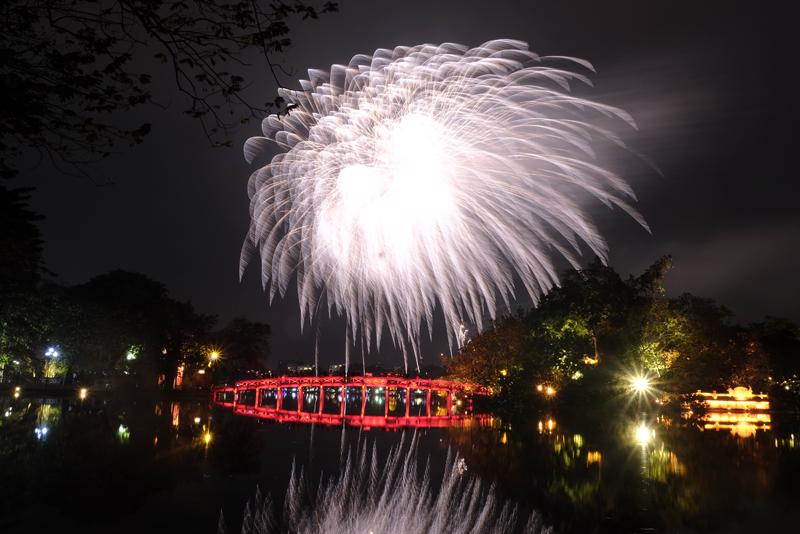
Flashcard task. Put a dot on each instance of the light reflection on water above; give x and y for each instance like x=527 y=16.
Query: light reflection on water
x=612 y=474
x=135 y=460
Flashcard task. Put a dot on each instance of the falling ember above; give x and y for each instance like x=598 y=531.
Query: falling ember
x=429 y=176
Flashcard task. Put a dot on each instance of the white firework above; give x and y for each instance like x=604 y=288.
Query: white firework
x=425 y=177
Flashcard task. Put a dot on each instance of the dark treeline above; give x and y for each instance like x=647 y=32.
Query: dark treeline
x=101 y=60
x=117 y=328
x=588 y=338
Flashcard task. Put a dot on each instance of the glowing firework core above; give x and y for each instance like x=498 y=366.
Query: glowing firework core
x=429 y=177
x=382 y=212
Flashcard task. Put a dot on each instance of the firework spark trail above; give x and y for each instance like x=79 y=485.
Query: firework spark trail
x=370 y=495
x=427 y=176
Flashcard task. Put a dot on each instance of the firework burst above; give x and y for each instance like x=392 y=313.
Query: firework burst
x=425 y=177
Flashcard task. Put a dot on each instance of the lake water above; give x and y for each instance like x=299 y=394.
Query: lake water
x=117 y=465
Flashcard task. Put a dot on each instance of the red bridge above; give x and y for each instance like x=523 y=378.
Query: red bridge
x=385 y=401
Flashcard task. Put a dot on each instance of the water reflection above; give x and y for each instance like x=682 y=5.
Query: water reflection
x=388 y=494
x=139 y=463
x=652 y=473
x=68 y=463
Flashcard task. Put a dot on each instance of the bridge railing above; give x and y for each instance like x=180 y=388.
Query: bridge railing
x=351 y=397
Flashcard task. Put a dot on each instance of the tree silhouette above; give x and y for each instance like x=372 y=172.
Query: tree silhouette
x=67 y=65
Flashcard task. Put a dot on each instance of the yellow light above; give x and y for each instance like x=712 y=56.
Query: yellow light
x=551 y=424
x=207 y=438
x=83 y=393
x=641 y=384
x=644 y=434
x=504 y=438
x=539 y=387
x=201 y=372
x=214 y=355
x=197 y=420
x=503 y=372
x=549 y=391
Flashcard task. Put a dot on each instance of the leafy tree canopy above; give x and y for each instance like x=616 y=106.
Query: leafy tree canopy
x=66 y=65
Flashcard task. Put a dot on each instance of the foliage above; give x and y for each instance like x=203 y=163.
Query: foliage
x=21 y=270
x=66 y=65
x=489 y=356
x=596 y=329
x=244 y=347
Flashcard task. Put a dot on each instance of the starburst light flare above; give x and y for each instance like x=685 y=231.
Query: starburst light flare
x=430 y=176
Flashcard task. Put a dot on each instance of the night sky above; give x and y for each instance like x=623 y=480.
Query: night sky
x=708 y=83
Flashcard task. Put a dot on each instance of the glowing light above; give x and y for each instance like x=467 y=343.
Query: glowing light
x=740 y=424
x=549 y=391
x=83 y=393
x=430 y=177
x=548 y=425
x=207 y=437
x=123 y=433
x=52 y=352
x=503 y=372
x=41 y=432
x=644 y=434
x=593 y=457
x=739 y=398
x=539 y=387
x=197 y=420
x=640 y=384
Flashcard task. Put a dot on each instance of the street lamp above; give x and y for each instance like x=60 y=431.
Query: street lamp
x=213 y=356
x=51 y=352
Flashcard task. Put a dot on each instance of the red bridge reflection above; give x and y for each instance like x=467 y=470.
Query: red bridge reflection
x=369 y=401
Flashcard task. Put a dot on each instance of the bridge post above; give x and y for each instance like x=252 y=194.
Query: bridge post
x=321 y=397
x=299 y=398
x=363 y=399
x=386 y=401
x=408 y=401
x=279 y=405
x=449 y=402
x=342 y=390
x=428 y=401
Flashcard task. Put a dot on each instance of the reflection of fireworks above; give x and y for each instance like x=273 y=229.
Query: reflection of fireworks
x=390 y=496
x=425 y=176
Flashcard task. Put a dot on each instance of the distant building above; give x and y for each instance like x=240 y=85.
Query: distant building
x=296 y=368
x=357 y=369
x=336 y=369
